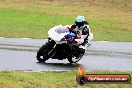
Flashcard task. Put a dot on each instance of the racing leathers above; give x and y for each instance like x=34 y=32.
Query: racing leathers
x=79 y=31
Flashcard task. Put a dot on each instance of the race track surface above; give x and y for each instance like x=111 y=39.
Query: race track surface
x=20 y=54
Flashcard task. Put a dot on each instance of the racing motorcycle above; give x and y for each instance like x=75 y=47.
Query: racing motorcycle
x=57 y=47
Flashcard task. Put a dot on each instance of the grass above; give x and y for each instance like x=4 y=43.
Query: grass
x=109 y=20
x=52 y=80
x=22 y=24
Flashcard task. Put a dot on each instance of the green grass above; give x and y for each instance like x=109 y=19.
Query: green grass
x=23 y=24
x=24 y=18
x=52 y=80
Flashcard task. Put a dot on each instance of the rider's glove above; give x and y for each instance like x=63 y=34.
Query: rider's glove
x=70 y=40
x=70 y=37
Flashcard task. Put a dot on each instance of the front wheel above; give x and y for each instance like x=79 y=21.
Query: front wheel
x=42 y=53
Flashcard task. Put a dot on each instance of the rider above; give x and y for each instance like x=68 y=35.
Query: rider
x=80 y=27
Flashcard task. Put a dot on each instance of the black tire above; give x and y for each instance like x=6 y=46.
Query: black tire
x=42 y=53
x=77 y=58
x=70 y=59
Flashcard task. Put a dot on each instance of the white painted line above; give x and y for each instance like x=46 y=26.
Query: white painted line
x=25 y=38
x=1 y=37
x=103 y=41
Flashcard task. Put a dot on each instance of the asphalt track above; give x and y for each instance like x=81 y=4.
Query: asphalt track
x=20 y=54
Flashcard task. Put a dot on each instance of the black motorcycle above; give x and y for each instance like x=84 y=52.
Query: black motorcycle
x=60 y=51
x=58 y=48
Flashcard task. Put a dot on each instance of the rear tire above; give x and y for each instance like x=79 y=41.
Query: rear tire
x=74 y=59
x=42 y=53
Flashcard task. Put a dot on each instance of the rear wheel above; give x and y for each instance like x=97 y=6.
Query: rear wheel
x=42 y=53
x=75 y=58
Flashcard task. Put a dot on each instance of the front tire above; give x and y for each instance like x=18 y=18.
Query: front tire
x=42 y=53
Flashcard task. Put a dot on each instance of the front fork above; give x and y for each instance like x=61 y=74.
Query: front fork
x=50 y=53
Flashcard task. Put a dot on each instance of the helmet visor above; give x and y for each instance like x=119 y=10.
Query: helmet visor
x=79 y=24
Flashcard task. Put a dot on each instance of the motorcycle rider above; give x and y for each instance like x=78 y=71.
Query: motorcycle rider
x=80 y=27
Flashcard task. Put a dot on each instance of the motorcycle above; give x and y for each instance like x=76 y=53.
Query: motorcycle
x=57 y=46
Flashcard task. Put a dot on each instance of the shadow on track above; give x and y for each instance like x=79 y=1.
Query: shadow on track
x=61 y=66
